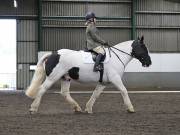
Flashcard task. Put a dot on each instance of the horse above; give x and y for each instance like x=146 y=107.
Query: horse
x=69 y=65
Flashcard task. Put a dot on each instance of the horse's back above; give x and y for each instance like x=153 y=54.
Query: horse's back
x=64 y=51
x=85 y=56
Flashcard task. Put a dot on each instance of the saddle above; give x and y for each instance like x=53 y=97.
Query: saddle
x=94 y=55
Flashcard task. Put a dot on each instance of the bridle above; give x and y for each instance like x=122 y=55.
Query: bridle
x=110 y=48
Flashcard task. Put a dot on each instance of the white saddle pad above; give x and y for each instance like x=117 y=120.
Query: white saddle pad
x=87 y=57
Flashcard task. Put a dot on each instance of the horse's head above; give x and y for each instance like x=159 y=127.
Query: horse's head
x=140 y=51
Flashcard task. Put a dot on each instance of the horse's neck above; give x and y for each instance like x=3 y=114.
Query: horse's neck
x=125 y=47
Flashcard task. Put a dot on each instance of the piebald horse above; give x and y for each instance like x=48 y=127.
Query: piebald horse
x=67 y=65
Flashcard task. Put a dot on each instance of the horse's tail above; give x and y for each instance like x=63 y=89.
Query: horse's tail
x=38 y=78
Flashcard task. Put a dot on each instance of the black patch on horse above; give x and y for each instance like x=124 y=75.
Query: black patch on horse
x=51 y=63
x=139 y=49
x=74 y=73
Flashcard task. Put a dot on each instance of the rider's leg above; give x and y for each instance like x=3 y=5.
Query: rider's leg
x=96 y=65
x=100 y=50
x=98 y=90
x=65 y=85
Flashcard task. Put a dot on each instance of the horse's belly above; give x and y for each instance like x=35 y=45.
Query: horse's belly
x=88 y=76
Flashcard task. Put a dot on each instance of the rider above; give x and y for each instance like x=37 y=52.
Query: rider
x=94 y=41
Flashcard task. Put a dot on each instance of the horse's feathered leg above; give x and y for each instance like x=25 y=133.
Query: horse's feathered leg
x=43 y=88
x=65 y=85
x=116 y=80
x=50 y=80
x=98 y=90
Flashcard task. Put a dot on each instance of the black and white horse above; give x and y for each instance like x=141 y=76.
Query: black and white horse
x=69 y=65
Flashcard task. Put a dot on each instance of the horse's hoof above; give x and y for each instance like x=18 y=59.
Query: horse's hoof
x=31 y=111
x=88 y=111
x=131 y=110
x=77 y=110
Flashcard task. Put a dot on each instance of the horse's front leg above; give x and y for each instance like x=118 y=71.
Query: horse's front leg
x=65 y=85
x=96 y=93
x=116 y=80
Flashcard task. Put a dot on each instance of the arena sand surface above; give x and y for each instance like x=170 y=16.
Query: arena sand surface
x=156 y=114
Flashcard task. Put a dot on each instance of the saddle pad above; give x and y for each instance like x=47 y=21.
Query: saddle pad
x=87 y=57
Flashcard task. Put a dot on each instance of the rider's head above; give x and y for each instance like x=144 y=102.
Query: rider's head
x=90 y=17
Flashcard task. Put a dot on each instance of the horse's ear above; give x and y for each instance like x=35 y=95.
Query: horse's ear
x=142 y=39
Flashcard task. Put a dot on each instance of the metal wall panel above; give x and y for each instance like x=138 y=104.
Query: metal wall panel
x=27 y=52
x=111 y=10
x=158 y=5
x=27 y=30
x=80 y=9
x=24 y=76
x=27 y=45
x=58 y=38
x=171 y=20
x=160 y=40
x=27 y=41
x=81 y=23
x=158 y=20
x=69 y=33
x=63 y=9
x=74 y=38
x=178 y=40
x=25 y=7
x=116 y=35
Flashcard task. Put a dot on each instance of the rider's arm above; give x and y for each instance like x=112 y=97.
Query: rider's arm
x=94 y=36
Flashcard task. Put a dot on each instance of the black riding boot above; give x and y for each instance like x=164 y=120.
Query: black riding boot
x=97 y=67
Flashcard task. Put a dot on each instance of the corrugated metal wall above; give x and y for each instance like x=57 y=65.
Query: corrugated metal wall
x=63 y=22
x=25 y=8
x=159 y=22
x=27 y=46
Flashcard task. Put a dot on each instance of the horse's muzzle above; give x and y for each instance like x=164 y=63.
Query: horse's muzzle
x=147 y=64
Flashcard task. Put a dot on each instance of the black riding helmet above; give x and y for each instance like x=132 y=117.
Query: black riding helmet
x=90 y=15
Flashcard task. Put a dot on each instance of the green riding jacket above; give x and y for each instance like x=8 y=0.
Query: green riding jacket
x=92 y=37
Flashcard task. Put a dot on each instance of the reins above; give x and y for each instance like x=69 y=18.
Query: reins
x=110 y=49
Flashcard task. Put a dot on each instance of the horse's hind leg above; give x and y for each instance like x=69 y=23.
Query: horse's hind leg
x=65 y=85
x=98 y=90
x=43 y=88
x=50 y=80
x=116 y=80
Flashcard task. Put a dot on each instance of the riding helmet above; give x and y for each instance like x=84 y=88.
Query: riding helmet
x=90 y=15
